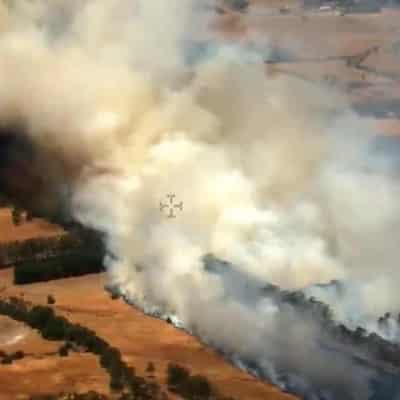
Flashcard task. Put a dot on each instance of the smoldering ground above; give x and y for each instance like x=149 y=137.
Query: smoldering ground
x=277 y=177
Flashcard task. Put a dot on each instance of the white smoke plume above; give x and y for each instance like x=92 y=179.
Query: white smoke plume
x=276 y=175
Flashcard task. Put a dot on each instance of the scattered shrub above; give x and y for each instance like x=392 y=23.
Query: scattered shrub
x=150 y=368
x=29 y=216
x=176 y=375
x=63 y=351
x=196 y=387
x=115 y=295
x=18 y=355
x=7 y=359
x=16 y=215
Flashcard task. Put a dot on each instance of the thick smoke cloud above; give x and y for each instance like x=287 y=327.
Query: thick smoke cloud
x=277 y=176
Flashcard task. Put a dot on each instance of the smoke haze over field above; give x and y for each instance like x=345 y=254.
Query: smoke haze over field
x=277 y=176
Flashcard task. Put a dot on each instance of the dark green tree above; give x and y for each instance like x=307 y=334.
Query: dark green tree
x=176 y=375
x=16 y=215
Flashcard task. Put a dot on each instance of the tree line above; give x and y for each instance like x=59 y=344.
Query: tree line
x=372 y=344
x=41 y=248
x=63 y=266
x=44 y=259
